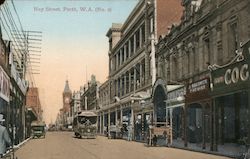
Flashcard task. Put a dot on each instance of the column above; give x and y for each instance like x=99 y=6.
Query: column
x=134 y=46
x=171 y=126
x=125 y=52
x=103 y=122
x=180 y=63
x=211 y=125
x=117 y=61
x=120 y=79
x=120 y=56
x=109 y=123
x=134 y=80
x=185 y=126
x=166 y=64
x=141 y=74
x=121 y=115
x=117 y=88
x=132 y=121
x=98 y=123
x=125 y=83
x=100 y=117
x=215 y=135
x=116 y=116
x=129 y=48
x=248 y=137
x=140 y=37
x=203 y=126
x=129 y=80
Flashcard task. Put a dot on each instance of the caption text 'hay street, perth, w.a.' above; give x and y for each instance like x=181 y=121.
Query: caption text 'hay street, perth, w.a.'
x=71 y=9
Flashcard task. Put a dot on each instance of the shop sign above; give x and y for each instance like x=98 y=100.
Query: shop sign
x=234 y=74
x=198 y=90
x=198 y=86
x=181 y=92
x=4 y=85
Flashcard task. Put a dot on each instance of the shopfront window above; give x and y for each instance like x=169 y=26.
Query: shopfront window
x=232 y=121
x=195 y=123
x=177 y=122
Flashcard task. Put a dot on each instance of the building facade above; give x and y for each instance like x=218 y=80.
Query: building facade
x=132 y=65
x=13 y=89
x=75 y=104
x=90 y=95
x=209 y=37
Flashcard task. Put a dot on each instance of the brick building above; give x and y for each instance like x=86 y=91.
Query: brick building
x=33 y=102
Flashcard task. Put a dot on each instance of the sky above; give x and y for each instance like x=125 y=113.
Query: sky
x=74 y=43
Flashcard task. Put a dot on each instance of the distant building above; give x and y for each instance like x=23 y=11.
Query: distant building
x=33 y=102
x=90 y=95
x=67 y=95
x=75 y=104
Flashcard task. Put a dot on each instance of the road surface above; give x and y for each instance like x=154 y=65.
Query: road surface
x=63 y=145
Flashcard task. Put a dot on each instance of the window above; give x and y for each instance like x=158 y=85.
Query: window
x=119 y=59
x=132 y=46
x=132 y=80
x=137 y=39
x=143 y=33
x=206 y=52
x=123 y=85
x=127 y=82
x=126 y=51
x=122 y=55
x=234 y=37
x=138 y=75
x=119 y=88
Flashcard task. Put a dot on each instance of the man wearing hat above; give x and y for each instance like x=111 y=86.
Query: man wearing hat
x=4 y=136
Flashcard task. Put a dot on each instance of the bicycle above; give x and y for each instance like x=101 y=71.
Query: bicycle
x=246 y=154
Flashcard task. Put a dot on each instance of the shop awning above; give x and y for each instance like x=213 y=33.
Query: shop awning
x=32 y=114
x=140 y=95
x=176 y=105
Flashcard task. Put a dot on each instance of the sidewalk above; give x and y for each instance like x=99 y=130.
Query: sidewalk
x=16 y=147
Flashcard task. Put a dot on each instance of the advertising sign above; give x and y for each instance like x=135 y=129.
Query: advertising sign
x=234 y=76
x=4 y=85
x=198 y=90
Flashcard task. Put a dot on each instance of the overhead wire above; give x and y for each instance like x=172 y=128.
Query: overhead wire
x=19 y=43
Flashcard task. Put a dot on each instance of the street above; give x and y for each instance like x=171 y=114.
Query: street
x=63 y=145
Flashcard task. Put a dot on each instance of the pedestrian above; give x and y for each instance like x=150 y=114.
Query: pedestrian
x=130 y=132
x=154 y=140
x=4 y=136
